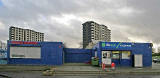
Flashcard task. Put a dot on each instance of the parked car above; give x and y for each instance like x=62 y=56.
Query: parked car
x=156 y=60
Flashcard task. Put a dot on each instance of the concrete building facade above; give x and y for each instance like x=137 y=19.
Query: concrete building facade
x=20 y=34
x=93 y=31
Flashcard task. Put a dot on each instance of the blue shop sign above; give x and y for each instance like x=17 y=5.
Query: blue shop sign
x=116 y=45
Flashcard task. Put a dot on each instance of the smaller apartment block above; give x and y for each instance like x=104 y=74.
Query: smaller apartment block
x=20 y=34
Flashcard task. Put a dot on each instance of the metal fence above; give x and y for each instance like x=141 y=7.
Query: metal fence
x=3 y=56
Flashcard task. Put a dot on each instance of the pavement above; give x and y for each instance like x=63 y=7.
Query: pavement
x=76 y=69
x=93 y=70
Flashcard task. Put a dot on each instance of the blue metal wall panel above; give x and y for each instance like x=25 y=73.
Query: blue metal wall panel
x=146 y=51
x=51 y=54
x=25 y=61
x=77 y=55
x=125 y=62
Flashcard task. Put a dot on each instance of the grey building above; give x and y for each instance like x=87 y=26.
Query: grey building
x=93 y=32
x=19 y=34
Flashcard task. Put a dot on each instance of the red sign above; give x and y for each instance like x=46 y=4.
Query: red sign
x=20 y=42
x=59 y=46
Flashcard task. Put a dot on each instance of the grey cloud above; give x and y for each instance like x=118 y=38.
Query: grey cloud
x=142 y=21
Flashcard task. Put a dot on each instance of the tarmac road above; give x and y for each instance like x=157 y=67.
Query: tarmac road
x=38 y=75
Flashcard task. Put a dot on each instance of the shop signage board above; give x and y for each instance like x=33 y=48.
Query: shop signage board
x=21 y=42
x=116 y=45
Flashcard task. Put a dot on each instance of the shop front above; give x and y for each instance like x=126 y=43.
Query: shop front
x=122 y=54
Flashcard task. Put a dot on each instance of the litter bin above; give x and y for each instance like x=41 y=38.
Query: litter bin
x=95 y=61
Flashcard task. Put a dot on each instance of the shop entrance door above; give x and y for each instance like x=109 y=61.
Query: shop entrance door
x=116 y=57
x=106 y=57
x=121 y=58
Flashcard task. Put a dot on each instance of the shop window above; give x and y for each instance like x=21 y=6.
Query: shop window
x=126 y=54
x=115 y=54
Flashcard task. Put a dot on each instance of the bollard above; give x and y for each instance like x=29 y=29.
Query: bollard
x=113 y=66
x=103 y=66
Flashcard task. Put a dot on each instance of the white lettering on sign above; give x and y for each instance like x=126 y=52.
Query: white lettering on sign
x=118 y=45
x=125 y=45
x=108 y=44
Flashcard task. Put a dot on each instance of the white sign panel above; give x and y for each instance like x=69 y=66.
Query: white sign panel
x=25 y=52
x=126 y=54
x=106 y=61
x=106 y=57
x=138 y=60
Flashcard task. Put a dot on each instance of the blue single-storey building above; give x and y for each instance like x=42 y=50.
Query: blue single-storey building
x=35 y=53
x=124 y=53
x=54 y=53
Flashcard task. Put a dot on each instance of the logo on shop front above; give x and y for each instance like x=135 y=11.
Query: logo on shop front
x=103 y=44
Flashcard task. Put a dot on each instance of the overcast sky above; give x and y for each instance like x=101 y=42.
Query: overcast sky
x=61 y=20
